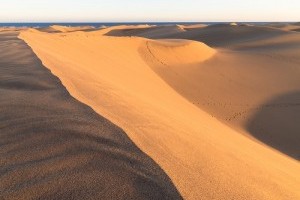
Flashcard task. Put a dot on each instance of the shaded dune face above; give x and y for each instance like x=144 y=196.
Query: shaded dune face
x=154 y=32
x=277 y=123
x=285 y=26
x=54 y=147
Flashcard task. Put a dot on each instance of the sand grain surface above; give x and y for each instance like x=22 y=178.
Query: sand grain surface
x=139 y=85
x=55 y=147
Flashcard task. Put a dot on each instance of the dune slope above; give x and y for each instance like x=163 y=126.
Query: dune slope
x=54 y=147
x=204 y=158
x=235 y=86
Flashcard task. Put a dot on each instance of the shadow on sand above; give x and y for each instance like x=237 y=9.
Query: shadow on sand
x=277 y=123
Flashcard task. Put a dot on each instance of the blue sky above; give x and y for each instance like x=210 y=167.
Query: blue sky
x=148 y=10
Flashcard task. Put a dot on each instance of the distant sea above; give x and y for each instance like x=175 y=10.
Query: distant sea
x=109 y=24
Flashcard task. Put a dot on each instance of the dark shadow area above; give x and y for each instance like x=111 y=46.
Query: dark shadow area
x=277 y=124
x=298 y=30
x=54 y=147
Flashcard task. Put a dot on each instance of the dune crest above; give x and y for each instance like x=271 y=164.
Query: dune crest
x=204 y=158
x=65 y=29
x=192 y=26
x=178 y=52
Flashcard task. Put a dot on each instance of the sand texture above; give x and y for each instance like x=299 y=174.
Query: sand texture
x=216 y=107
x=54 y=147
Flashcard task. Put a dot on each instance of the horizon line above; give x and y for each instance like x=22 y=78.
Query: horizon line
x=142 y=21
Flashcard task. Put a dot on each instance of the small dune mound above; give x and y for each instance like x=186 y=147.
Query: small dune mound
x=180 y=27
x=65 y=29
x=161 y=31
x=11 y=29
x=33 y=30
x=233 y=24
x=48 y=30
x=178 y=52
x=245 y=24
x=120 y=30
x=192 y=26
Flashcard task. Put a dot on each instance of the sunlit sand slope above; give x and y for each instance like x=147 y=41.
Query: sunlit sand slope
x=238 y=88
x=204 y=158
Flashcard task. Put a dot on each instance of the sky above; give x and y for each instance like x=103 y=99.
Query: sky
x=148 y=10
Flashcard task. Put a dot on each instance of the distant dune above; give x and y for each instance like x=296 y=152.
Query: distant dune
x=207 y=114
x=285 y=26
x=151 y=32
x=192 y=26
x=218 y=35
x=71 y=29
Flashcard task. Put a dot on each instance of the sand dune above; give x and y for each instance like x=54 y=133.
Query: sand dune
x=123 y=28
x=182 y=52
x=147 y=88
x=224 y=86
x=65 y=29
x=192 y=26
x=150 y=32
x=234 y=92
x=54 y=147
x=285 y=26
x=12 y=29
x=49 y=29
x=218 y=35
x=290 y=41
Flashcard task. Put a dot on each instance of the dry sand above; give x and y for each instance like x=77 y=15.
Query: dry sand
x=218 y=35
x=285 y=26
x=240 y=87
x=54 y=147
x=163 y=93
x=65 y=29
